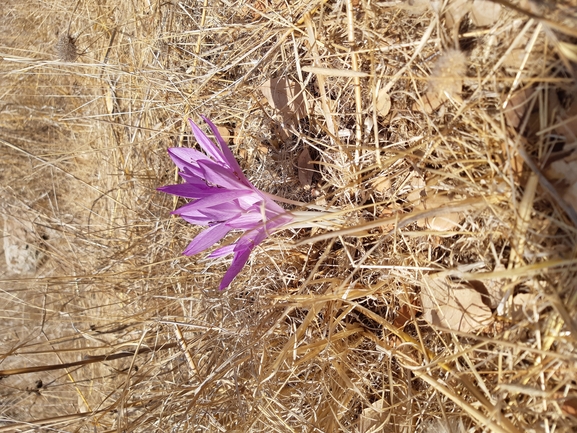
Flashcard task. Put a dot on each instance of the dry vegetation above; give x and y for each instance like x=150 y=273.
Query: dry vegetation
x=445 y=191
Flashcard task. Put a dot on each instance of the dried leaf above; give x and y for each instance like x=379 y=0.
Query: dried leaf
x=383 y=102
x=517 y=106
x=491 y=290
x=239 y=134
x=263 y=149
x=563 y=169
x=523 y=305
x=455 y=12
x=382 y=184
x=109 y=100
x=484 y=13
x=224 y=133
x=568 y=124
x=381 y=417
x=403 y=316
x=515 y=58
x=431 y=101
x=569 y=406
x=286 y=97
x=516 y=160
x=305 y=168
x=444 y=222
x=20 y=249
x=452 y=305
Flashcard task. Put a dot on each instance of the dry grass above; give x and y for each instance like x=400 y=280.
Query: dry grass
x=322 y=331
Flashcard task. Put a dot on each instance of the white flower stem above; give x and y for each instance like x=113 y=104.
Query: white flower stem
x=298 y=203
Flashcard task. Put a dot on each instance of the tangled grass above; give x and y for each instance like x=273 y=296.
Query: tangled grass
x=109 y=328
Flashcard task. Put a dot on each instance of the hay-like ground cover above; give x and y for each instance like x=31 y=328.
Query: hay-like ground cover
x=107 y=327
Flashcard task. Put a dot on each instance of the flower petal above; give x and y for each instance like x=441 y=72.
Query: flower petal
x=222 y=251
x=214 y=199
x=207 y=145
x=185 y=190
x=242 y=250
x=236 y=266
x=184 y=157
x=206 y=239
x=221 y=213
x=217 y=174
x=198 y=219
x=245 y=221
x=226 y=153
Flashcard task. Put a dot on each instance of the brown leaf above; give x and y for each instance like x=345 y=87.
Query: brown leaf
x=569 y=406
x=441 y=223
x=484 y=13
x=523 y=305
x=305 y=168
x=224 y=133
x=431 y=101
x=455 y=12
x=452 y=305
x=517 y=106
x=286 y=97
x=568 y=124
x=403 y=316
x=382 y=184
x=383 y=102
x=491 y=290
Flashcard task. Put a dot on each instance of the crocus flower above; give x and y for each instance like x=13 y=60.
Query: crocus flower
x=223 y=200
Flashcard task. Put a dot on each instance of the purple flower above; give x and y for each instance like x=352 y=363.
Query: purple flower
x=223 y=200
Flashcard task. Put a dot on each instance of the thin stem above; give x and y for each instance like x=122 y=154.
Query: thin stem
x=297 y=203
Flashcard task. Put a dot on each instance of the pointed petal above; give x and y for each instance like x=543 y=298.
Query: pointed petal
x=208 y=146
x=184 y=157
x=236 y=266
x=222 y=251
x=242 y=250
x=220 y=213
x=251 y=239
x=184 y=190
x=217 y=174
x=226 y=152
x=206 y=239
x=245 y=221
x=197 y=180
x=211 y=200
x=198 y=219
